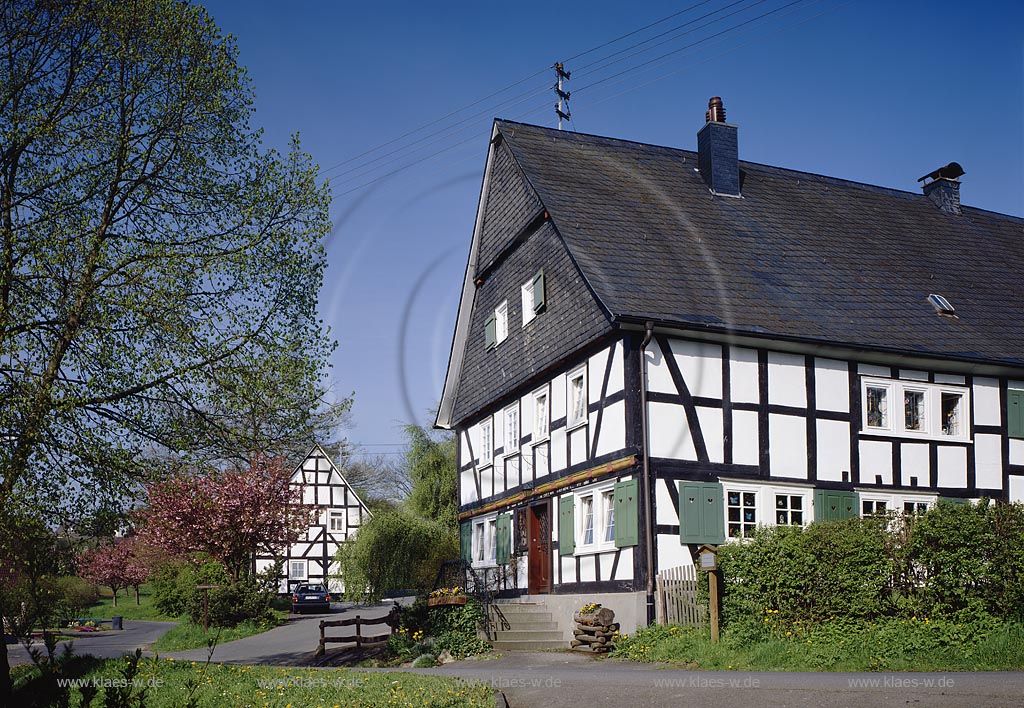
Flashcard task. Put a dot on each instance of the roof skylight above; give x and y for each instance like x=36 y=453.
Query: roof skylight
x=942 y=305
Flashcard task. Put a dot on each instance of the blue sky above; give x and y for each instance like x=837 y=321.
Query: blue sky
x=873 y=91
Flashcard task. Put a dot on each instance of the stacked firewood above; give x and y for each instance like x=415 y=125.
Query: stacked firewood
x=595 y=630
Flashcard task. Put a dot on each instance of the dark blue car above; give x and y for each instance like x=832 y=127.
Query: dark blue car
x=312 y=597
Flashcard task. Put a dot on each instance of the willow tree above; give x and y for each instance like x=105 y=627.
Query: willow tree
x=150 y=247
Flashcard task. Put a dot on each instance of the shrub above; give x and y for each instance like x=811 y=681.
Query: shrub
x=455 y=629
x=231 y=603
x=74 y=596
x=174 y=585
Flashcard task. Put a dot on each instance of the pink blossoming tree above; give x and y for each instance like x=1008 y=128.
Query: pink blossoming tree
x=229 y=516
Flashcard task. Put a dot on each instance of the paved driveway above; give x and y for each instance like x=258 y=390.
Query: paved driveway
x=105 y=645
x=291 y=644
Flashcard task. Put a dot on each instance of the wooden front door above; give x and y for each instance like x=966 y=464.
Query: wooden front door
x=539 y=550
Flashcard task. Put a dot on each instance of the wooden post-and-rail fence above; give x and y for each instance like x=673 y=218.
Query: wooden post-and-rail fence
x=677 y=598
x=391 y=619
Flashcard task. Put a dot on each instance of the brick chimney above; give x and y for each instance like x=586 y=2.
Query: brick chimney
x=942 y=186
x=718 y=152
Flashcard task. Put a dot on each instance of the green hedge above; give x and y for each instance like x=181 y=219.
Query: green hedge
x=955 y=560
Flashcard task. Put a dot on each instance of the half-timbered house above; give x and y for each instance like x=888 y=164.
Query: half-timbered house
x=342 y=512
x=658 y=348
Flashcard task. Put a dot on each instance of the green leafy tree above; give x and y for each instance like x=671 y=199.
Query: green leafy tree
x=435 y=479
x=151 y=252
x=403 y=546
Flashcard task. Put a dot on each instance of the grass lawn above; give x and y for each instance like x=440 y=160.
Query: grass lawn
x=126 y=607
x=171 y=684
x=889 y=646
x=189 y=635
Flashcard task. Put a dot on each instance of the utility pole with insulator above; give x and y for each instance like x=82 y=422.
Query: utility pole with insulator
x=562 y=107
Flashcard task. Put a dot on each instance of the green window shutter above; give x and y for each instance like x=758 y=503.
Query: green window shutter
x=490 y=332
x=466 y=541
x=538 y=291
x=701 y=513
x=503 y=532
x=566 y=525
x=1015 y=413
x=627 y=527
x=831 y=505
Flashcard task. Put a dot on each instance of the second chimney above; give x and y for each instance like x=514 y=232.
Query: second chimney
x=718 y=152
x=942 y=186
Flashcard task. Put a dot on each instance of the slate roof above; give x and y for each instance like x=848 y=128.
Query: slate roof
x=799 y=256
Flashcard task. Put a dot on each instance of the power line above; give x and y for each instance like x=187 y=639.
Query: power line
x=510 y=86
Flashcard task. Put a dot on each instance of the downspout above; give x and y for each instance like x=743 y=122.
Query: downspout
x=649 y=526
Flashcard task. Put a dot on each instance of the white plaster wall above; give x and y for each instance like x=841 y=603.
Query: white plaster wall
x=986 y=402
x=711 y=427
x=558 y=443
x=913 y=375
x=671 y=553
x=578 y=444
x=788 y=445
x=487 y=481
x=665 y=511
x=952 y=467
x=467 y=487
x=613 y=429
x=701 y=367
x=1016 y=451
x=658 y=377
x=595 y=374
x=833 y=438
x=625 y=569
x=669 y=432
x=988 y=461
x=873 y=370
x=558 y=397
x=914 y=463
x=876 y=459
x=950 y=379
x=743 y=375
x=745 y=448
x=787 y=384
x=587 y=572
x=831 y=385
x=513 y=467
x=1016 y=488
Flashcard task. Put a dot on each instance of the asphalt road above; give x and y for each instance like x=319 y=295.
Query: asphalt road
x=105 y=645
x=558 y=679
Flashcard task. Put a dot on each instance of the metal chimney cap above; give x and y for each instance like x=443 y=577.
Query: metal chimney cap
x=951 y=171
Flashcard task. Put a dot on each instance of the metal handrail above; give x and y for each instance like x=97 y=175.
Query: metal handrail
x=494 y=619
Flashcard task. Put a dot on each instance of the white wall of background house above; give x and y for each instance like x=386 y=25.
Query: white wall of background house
x=342 y=513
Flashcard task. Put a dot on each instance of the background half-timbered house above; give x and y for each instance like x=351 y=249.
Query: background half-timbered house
x=342 y=512
x=658 y=348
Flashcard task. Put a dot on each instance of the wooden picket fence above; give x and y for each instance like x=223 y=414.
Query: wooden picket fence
x=391 y=619
x=676 y=598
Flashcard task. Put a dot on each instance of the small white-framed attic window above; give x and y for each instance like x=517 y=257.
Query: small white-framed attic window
x=942 y=305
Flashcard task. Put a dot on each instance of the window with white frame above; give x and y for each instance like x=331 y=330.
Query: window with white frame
x=501 y=322
x=297 y=570
x=741 y=512
x=576 y=397
x=873 y=507
x=486 y=442
x=485 y=541
x=511 y=416
x=935 y=411
x=336 y=521
x=541 y=415
x=789 y=510
x=915 y=508
x=595 y=519
x=528 y=311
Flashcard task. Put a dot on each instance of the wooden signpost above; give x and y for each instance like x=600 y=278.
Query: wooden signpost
x=709 y=563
